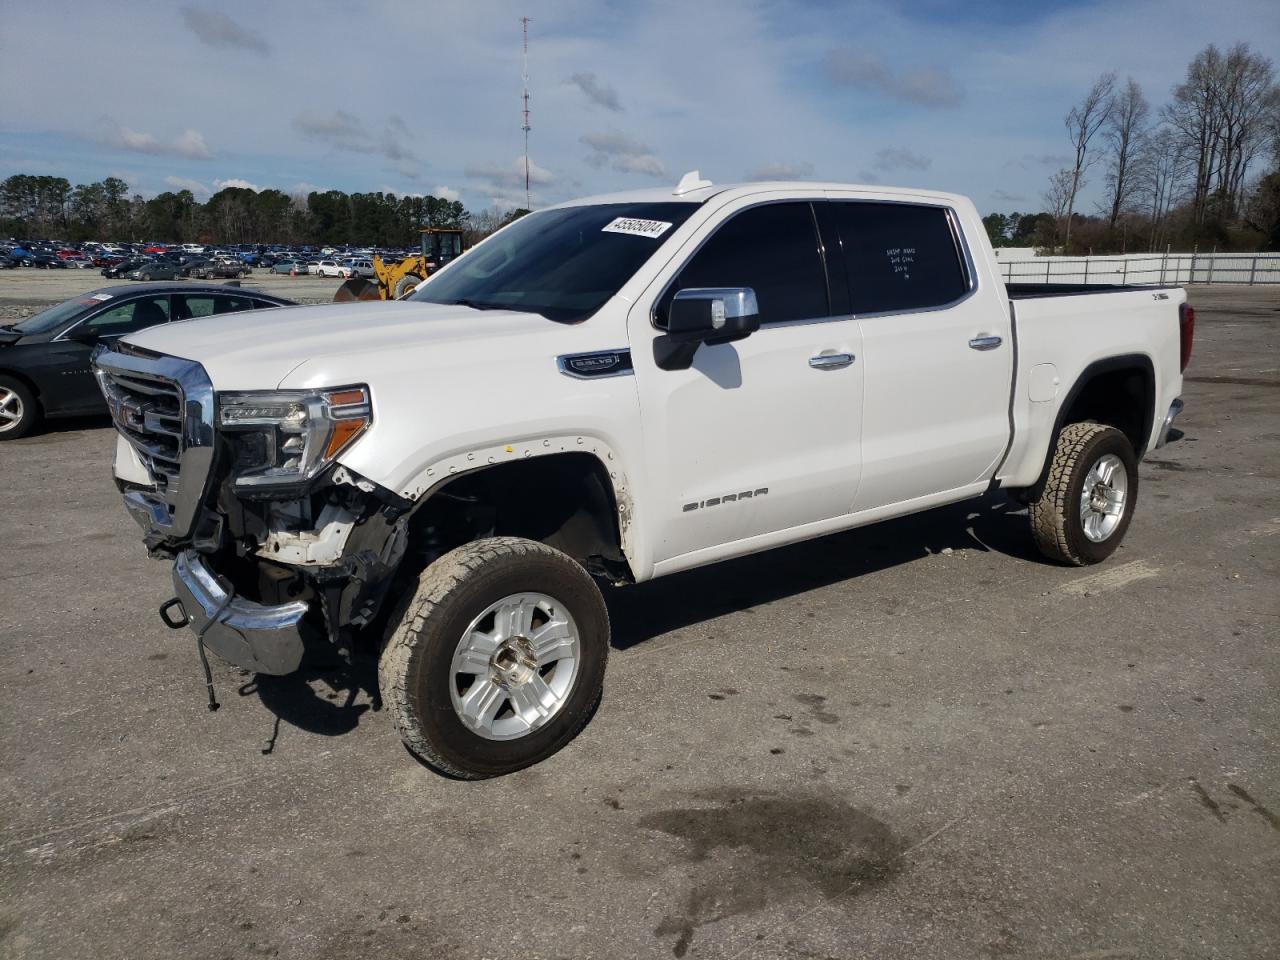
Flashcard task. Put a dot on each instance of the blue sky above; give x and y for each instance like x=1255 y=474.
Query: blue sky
x=419 y=97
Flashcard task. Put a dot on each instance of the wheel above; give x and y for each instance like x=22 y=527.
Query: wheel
x=405 y=285
x=1082 y=513
x=497 y=659
x=19 y=412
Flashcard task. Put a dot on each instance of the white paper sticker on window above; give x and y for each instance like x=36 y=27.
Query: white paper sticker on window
x=637 y=228
x=101 y=296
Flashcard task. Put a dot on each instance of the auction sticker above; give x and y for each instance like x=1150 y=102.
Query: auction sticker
x=637 y=228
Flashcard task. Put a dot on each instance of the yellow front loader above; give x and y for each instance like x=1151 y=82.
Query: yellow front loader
x=393 y=280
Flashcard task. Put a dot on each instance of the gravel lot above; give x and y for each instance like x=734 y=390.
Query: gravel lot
x=914 y=740
x=24 y=292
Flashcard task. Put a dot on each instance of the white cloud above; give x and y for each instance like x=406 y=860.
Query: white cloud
x=597 y=91
x=345 y=131
x=190 y=144
x=781 y=171
x=509 y=177
x=215 y=29
x=927 y=86
x=896 y=158
x=446 y=193
x=236 y=182
x=185 y=183
x=623 y=154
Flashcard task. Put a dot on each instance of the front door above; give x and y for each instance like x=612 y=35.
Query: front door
x=71 y=386
x=761 y=435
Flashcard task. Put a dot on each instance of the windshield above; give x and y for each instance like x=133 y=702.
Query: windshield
x=54 y=317
x=563 y=264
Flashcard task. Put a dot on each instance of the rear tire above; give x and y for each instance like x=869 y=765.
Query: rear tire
x=497 y=659
x=19 y=411
x=1084 y=509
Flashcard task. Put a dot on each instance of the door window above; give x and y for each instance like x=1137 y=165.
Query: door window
x=191 y=306
x=899 y=256
x=773 y=249
x=130 y=317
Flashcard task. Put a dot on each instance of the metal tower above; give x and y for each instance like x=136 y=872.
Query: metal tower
x=528 y=205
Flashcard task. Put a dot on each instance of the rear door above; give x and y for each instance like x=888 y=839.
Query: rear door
x=938 y=358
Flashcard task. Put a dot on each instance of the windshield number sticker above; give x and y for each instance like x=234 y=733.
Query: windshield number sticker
x=637 y=228
x=101 y=296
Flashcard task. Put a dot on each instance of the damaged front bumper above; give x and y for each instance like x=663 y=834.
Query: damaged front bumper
x=260 y=637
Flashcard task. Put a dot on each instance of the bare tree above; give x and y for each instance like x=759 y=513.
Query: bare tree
x=1221 y=113
x=1058 y=196
x=1161 y=172
x=1083 y=122
x=1125 y=132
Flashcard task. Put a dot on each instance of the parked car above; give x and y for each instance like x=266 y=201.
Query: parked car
x=44 y=360
x=692 y=378
x=211 y=269
x=123 y=268
x=361 y=268
x=332 y=268
x=8 y=263
x=78 y=263
x=48 y=261
x=289 y=266
x=156 y=270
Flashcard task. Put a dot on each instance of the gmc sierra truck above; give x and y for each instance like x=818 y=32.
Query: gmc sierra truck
x=605 y=392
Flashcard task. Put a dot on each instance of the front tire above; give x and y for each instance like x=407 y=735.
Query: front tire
x=19 y=411
x=405 y=285
x=497 y=659
x=1088 y=499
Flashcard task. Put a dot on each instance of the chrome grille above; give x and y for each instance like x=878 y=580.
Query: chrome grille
x=163 y=407
x=148 y=411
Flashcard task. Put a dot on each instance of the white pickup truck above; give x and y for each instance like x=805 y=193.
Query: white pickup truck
x=608 y=391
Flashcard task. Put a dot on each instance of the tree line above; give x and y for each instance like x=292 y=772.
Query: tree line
x=44 y=207
x=1202 y=170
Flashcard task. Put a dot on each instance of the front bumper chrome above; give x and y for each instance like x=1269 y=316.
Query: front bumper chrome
x=1175 y=408
x=266 y=639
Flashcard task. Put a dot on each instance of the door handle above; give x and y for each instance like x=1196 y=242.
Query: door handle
x=831 y=361
x=985 y=343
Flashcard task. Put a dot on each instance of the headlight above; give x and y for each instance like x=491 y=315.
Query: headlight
x=286 y=437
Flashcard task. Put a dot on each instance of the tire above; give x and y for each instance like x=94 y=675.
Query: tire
x=425 y=692
x=19 y=411
x=405 y=284
x=1073 y=519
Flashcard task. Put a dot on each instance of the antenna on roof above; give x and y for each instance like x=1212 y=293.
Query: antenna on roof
x=689 y=182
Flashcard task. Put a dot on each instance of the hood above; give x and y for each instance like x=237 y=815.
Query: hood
x=257 y=349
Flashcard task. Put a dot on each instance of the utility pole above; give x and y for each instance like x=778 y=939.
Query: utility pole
x=528 y=204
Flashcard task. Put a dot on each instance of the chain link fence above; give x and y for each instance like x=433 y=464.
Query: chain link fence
x=1153 y=268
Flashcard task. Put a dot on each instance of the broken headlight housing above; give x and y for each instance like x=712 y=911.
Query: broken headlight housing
x=284 y=438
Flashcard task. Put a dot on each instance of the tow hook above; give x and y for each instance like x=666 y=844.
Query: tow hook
x=175 y=603
x=169 y=622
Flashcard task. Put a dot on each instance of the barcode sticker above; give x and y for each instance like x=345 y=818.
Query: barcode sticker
x=637 y=228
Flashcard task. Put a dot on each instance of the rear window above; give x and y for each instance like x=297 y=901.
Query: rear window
x=899 y=256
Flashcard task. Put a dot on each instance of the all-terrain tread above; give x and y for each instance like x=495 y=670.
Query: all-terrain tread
x=435 y=587
x=1050 y=511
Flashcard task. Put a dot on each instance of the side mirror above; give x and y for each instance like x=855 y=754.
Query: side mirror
x=83 y=333
x=710 y=315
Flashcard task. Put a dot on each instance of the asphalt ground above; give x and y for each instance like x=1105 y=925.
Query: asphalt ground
x=915 y=740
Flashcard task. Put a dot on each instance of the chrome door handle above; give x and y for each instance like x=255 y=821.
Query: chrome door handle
x=985 y=343
x=831 y=361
